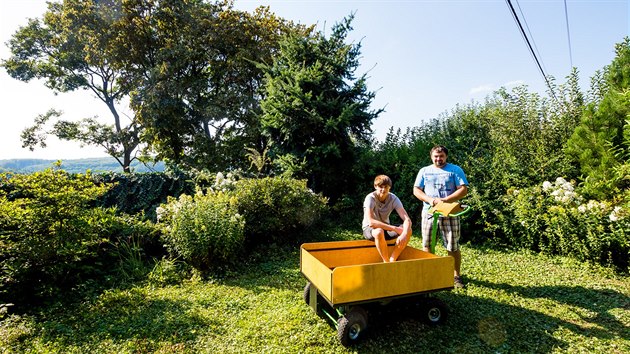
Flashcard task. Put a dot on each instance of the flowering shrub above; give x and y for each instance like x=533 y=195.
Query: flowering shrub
x=209 y=228
x=204 y=230
x=555 y=219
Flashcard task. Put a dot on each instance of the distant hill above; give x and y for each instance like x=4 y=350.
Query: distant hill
x=99 y=164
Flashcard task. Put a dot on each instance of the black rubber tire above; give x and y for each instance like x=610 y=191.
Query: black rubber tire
x=434 y=312
x=351 y=326
x=307 y=291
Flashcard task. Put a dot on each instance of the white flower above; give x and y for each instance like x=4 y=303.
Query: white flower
x=159 y=211
x=582 y=208
x=613 y=217
x=560 y=181
x=546 y=186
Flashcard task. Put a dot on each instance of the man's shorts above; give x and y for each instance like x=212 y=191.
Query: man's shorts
x=449 y=227
x=389 y=235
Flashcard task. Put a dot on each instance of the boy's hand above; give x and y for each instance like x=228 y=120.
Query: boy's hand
x=400 y=239
x=399 y=230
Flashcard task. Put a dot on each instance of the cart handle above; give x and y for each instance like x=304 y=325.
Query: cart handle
x=436 y=215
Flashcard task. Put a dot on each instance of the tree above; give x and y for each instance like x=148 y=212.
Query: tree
x=598 y=145
x=197 y=82
x=315 y=109
x=70 y=50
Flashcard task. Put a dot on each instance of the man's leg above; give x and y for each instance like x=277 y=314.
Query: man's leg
x=426 y=226
x=457 y=257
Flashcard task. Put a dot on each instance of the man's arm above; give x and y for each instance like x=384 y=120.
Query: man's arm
x=460 y=193
x=419 y=193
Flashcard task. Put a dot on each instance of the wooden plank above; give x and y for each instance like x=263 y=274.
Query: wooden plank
x=383 y=280
x=317 y=273
x=352 y=271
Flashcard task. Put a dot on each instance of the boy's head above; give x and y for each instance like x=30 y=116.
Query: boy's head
x=382 y=180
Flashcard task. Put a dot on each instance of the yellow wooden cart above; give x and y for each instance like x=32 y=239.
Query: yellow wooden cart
x=347 y=280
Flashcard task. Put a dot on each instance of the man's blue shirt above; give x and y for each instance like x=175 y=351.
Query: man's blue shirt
x=440 y=182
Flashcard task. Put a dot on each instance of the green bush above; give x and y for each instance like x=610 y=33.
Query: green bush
x=133 y=193
x=49 y=233
x=276 y=208
x=204 y=230
x=554 y=218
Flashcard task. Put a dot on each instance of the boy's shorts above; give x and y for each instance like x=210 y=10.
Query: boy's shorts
x=449 y=227
x=389 y=235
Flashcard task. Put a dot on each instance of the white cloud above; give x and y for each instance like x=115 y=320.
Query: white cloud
x=481 y=89
x=514 y=83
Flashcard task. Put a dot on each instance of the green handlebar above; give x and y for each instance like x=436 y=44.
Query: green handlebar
x=436 y=216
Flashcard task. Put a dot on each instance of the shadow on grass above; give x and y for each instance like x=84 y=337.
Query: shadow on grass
x=590 y=306
x=128 y=316
x=481 y=325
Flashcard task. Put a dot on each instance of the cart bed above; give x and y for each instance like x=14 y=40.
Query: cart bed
x=346 y=272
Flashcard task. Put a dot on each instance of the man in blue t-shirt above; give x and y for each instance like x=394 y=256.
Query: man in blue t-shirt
x=442 y=182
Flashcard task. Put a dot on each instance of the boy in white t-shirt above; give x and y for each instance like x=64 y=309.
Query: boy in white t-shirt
x=377 y=207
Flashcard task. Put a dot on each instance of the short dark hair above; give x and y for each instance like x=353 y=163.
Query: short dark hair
x=439 y=148
x=382 y=180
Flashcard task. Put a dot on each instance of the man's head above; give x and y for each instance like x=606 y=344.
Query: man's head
x=439 y=153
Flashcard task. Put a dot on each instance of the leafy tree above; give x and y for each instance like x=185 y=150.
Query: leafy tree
x=315 y=109
x=197 y=84
x=597 y=145
x=70 y=48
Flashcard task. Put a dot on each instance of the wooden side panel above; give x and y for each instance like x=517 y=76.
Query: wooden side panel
x=352 y=271
x=317 y=273
x=382 y=280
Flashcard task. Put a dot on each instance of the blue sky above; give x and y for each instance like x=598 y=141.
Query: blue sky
x=422 y=57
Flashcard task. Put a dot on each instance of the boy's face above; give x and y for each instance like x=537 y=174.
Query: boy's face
x=438 y=158
x=382 y=191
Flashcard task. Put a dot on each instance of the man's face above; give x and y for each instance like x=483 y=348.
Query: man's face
x=438 y=158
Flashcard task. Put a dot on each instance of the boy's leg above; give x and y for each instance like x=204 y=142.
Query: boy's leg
x=381 y=244
x=399 y=247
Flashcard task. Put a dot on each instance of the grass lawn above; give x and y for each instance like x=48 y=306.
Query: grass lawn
x=514 y=302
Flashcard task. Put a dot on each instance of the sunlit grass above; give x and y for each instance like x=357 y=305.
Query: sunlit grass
x=513 y=302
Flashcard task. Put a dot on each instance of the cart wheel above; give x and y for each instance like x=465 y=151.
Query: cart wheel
x=434 y=312
x=351 y=325
x=307 y=291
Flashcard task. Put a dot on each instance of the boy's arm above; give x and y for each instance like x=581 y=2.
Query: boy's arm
x=374 y=222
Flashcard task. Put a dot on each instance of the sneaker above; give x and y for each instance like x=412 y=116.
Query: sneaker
x=459 y=284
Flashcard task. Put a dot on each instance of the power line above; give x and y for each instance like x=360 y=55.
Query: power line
x=530 y=34
x=566 y=16
x=531 y=49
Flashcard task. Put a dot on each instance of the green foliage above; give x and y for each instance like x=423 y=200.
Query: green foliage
x=316 y=110
x=597 y=145
x=204 y=230
x=48 y=231
x=555 y=219
x=276 y=209
x=134 y=193
x=193 y=65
